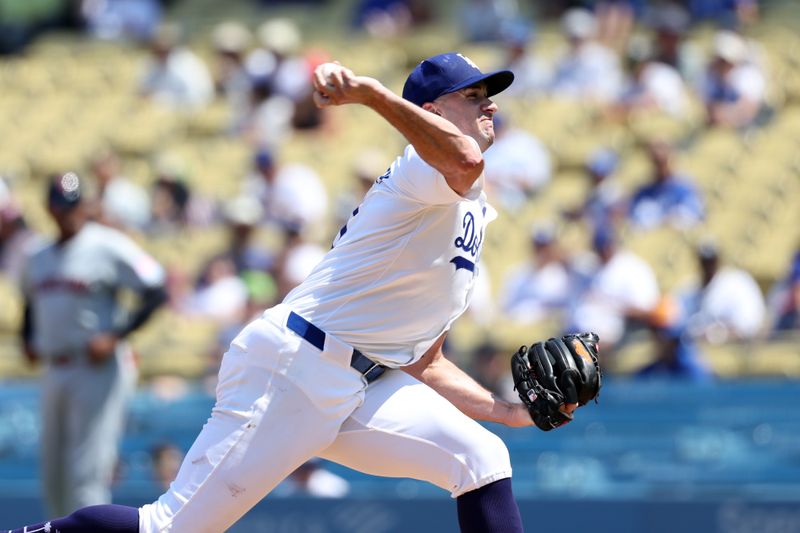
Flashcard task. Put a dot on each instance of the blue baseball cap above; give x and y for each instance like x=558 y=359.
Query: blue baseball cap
x=448 y=73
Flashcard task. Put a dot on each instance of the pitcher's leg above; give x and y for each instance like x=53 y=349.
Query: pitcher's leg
x=406 y=429
x=489 y=509
x=262 y=428
x=95 y=519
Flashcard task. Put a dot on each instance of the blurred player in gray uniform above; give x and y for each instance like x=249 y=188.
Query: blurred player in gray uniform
x=75 y=327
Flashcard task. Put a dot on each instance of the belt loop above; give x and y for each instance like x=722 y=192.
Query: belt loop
x=307 y=330
x=369 y=369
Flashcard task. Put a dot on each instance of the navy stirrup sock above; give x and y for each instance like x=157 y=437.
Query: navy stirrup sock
x=95 y=519
x=489 y=509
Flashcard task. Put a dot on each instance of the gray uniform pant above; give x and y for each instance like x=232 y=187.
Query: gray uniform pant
x=83 y=408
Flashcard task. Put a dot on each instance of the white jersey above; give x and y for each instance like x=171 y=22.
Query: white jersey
x=403 y=267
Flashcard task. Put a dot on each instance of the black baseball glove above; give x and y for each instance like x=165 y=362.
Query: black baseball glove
x=557 y=371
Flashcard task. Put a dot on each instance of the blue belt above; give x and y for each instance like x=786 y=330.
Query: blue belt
x=316 y=337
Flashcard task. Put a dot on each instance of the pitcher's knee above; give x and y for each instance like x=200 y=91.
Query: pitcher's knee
x=485 y=461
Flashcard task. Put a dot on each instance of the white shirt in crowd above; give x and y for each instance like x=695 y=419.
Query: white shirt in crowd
x=293 y=78
x=270 y=124
x=732 y=305
x=296 y=195
x=625 y=282
x=533 y=292
x=126 y=203
x=516 y=165
x=663 y=86
x=531 y=77
x=746 y=80
x=591 y=72
x=182 y=82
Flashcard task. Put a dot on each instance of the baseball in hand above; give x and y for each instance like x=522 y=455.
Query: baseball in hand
x=327 y=70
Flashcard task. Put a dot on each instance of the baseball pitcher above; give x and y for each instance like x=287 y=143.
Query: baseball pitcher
x=349 y=366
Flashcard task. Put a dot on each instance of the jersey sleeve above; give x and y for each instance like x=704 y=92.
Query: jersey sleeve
x=135 y=268
x=412 y=177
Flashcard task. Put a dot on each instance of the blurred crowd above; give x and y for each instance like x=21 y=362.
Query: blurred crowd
x=626 y=58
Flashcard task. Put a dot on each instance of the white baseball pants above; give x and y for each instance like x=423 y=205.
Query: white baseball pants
x=281 y=401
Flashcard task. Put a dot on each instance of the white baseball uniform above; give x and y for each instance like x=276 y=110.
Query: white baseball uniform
x=399 y=273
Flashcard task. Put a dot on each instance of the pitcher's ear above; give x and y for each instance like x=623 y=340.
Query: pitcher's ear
x=428 y=106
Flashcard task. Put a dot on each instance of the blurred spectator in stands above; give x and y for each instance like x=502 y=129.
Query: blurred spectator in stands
x=220 y=294
x=615 y=22
x=677 y=356
x=390 y=18
x=231 y=41
x=168 y=206
x=313 y=479
x=652 y=86
x=17 y=240
x=531 y=73
x=588 y=70
x=174 y=76
x=669 y=198
x=267 y=121
x=733 y=88
x=135 y=20
x=291 y=194
x=490 y=368
x=296 y=259
x=242 y=216
x=292 y=74
x=517 y=165
x=670 y=23
x=169 y=202
x=603 y=205
x=166 y=459
x=122 y=203
x=612 y=291
x=727 y=305
x=784 y=299
x=538 y=288
x=487 y=20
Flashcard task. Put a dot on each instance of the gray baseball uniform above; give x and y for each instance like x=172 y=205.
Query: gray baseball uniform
x=72 y=289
